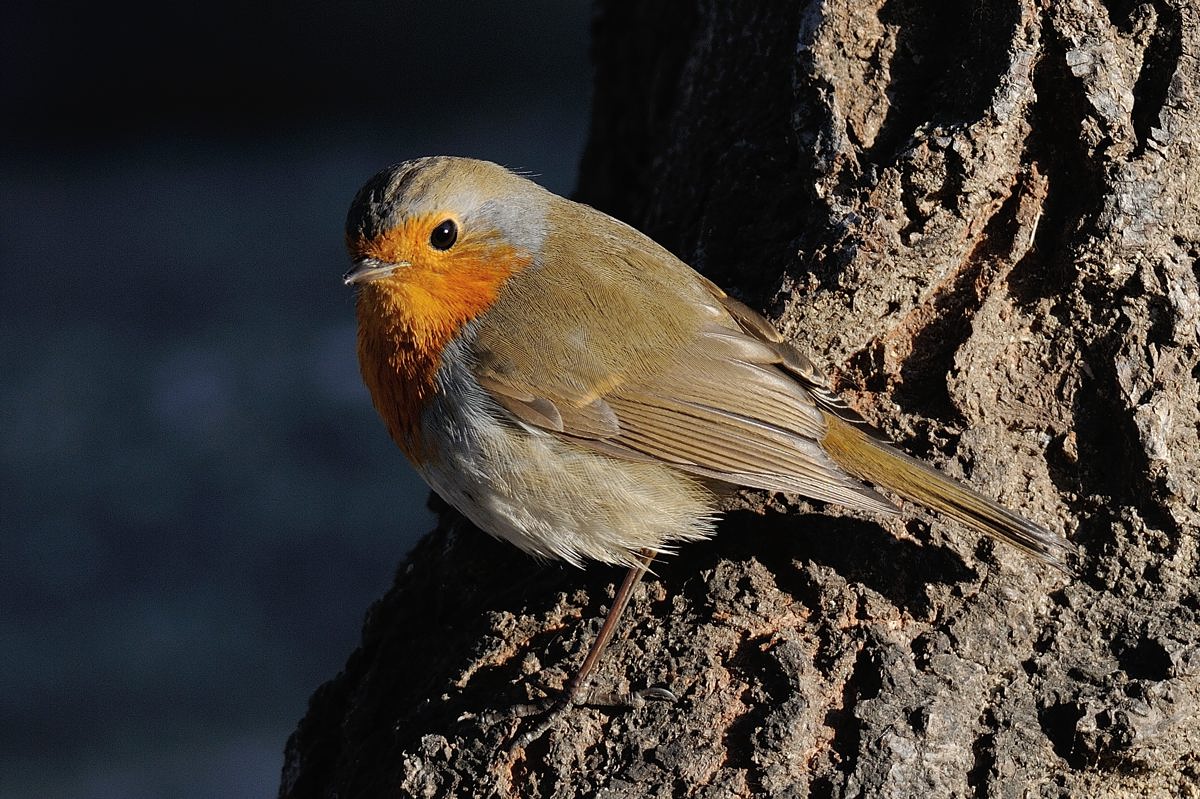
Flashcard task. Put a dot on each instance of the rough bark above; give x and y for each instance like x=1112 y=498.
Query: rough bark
x=984 y=216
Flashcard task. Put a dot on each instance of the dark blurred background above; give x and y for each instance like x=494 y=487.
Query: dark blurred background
x=197 y=503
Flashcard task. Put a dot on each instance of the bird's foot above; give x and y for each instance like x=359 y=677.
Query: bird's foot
x=548 y=711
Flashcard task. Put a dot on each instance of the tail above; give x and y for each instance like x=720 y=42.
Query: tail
x=876 y=462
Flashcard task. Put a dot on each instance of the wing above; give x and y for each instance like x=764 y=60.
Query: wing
x=705 y=384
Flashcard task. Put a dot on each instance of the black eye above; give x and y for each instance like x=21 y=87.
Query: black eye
x=444 y=235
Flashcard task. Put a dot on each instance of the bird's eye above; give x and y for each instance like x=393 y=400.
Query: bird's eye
x=444 y=235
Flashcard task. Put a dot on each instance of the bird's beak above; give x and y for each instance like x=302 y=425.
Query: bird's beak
x=367 y=269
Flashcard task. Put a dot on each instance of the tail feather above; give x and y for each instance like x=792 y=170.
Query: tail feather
x=887 y=467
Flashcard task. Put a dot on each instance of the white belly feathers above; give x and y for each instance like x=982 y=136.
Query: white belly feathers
x=544 y=494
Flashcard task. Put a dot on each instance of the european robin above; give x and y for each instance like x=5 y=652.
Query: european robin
x=572 y=387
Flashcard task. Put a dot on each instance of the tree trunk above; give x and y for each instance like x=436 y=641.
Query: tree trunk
x=984 y=217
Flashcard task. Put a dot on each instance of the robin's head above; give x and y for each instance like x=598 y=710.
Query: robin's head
x=433 y=241
x=455 y=219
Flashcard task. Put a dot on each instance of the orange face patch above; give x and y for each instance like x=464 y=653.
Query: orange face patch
x=401 y=243
x=406 y=319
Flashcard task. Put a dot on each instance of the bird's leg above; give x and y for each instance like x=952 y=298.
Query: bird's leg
x=578 y=690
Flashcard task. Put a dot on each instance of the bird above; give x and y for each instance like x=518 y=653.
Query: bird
x=573 y=388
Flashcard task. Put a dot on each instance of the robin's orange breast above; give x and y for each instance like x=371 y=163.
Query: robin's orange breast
x=406 y=320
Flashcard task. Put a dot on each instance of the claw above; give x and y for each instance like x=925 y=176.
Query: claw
x=656 y=695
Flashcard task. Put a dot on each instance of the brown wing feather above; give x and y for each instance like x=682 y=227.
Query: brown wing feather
x=706 y=385
x=793 y=360
x=593 y=419
x=727 y=445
